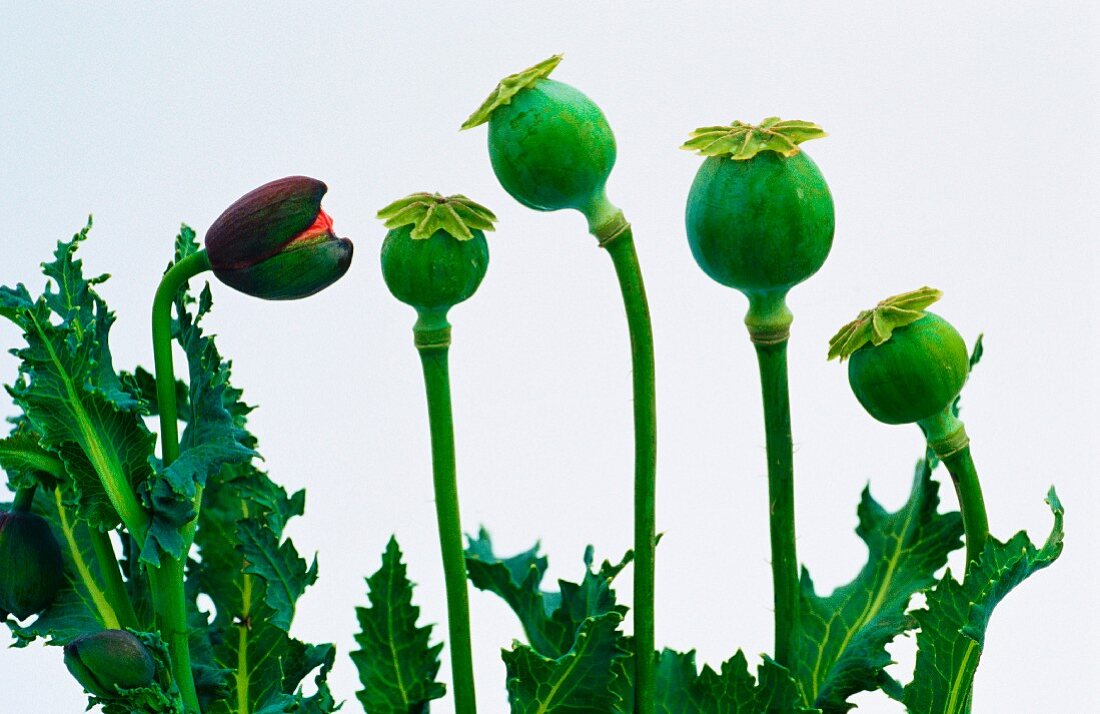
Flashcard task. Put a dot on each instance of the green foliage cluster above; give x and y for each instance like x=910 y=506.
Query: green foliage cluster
x=82 y=443
x=173 y=586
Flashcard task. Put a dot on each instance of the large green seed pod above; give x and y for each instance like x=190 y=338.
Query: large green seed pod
x=31 y=570
x=104 y=662
x=759 y=214
x=435 y=254
x=905 y=365
x=550 y=145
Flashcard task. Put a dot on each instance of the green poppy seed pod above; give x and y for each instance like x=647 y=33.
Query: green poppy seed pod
x=105 y=662
x=276 y=243
x=550 y=145
x=435 y=254
x=905 y=365
x=31 y=570
x=759 y=214
x=913 y=376
x=434 y=273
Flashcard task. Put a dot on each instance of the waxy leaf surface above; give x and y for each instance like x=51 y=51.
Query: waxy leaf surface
x=396 y=662
x=683 y=689
x=71 y=396
x=581 y=680
x=954 y=621
x=842 y=638
x=550 y=619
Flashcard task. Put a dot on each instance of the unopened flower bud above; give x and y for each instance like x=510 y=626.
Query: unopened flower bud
x=31 y=570
x=105 y=662
x=276 y=243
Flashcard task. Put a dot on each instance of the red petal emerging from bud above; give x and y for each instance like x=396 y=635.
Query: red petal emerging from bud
x=276 y=243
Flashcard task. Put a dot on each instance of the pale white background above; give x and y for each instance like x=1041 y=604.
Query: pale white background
x=962 y=155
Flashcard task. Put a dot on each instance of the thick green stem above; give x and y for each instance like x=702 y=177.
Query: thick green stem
x=166 y=581
x=975 y=521
x=947 y=439
x=777 y=425
x=24 y=499
x=625 y=258
x=111 y=571
x=432 y=335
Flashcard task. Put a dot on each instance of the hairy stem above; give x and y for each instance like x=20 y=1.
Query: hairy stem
x=166 y=581
x=625 y=258
x=971 y=502
x=777 y=426
x=432 y=339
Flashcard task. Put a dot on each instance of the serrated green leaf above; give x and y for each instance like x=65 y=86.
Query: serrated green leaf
x=841 y=639
x=142 y=384
x=550 y=619
x=681 y=688
x=264 y=665
x=72 y=397
x=27 y=463
x=279 y=564
x=397 y=665
x=578 y=682
x=954 y=622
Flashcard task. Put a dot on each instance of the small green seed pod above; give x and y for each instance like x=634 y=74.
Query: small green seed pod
x=105 y=662
x=905 y=365
x=913 y=376
x=550 y=145
x=435 y=254
x=759 y=214
x=31 y=570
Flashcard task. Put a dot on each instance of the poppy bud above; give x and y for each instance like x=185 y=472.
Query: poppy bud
x=276 y=243
x=104 y=662
x=31 y=570
x=435 y=254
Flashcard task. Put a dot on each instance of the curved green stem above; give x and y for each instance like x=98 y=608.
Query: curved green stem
x=114 y=588
x=625 y=258
x=432 y=335
x=947 y=439
x=777 y=425
x=166 y=581
x=176 y=278
x=971 y=502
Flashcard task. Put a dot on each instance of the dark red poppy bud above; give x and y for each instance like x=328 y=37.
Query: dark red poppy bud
x=31 y=571
x=276 y=243
x=105 y=662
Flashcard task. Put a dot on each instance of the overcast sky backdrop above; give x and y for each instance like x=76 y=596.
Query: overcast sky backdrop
x=962 y=155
